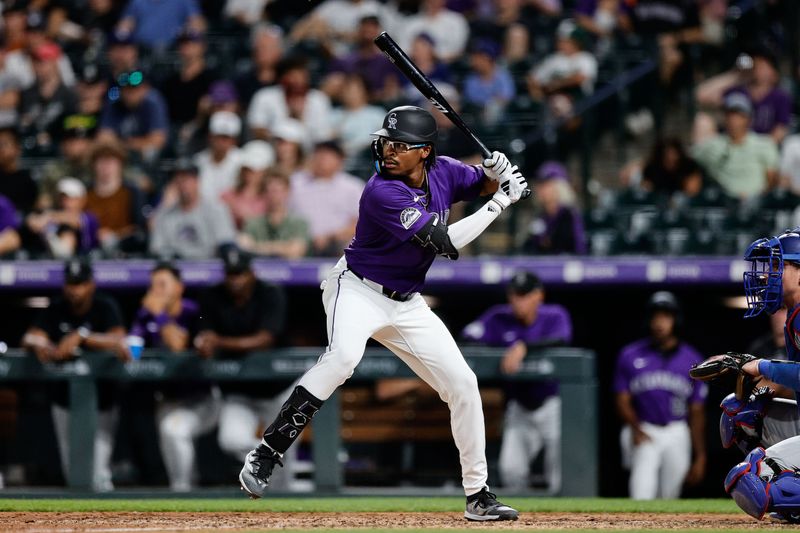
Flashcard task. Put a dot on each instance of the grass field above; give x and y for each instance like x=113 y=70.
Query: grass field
x=368 y=514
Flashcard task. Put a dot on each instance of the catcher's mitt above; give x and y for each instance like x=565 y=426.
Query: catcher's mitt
x=726 y=369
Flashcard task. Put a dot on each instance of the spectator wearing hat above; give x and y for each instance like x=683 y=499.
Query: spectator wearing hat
x=168 y=321
x=247 y=199
x=82 y=319
x=138 y=117
x=448 y=29
x=123 y=55
x=183 y=89
x=241 y=315
x=156 y=24
x=91 y=90
x=68 y=229
x=293 y=97
x=114 y=201
x=194 y=227
x=194 y=135
x=278 y=232
x=44 y=105
x=266 y=51
x=488 y=86
x=16 y=183
x=355 y=120
x=533 y=409
x=289 y=138
x=558 y=229
x=744 y=163
x=219 y=164
x=75 y=150
x=328 y=199
x=10 y=239
x=423 y=54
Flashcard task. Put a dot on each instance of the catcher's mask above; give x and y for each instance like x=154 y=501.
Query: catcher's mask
x=763 y=283
x=409 y=125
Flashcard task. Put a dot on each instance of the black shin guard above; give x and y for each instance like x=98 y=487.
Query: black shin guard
x=294 y=415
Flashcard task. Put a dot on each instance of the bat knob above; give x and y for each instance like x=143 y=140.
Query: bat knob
x=526 y=194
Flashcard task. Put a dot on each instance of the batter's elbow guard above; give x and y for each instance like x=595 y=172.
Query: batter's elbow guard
x=294 y=416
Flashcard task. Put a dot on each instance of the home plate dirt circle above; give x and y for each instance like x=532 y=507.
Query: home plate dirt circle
x=144 y=521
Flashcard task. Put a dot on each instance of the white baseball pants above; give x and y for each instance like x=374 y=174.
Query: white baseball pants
x=356 y=311
x=525 y=433
x=659 y=465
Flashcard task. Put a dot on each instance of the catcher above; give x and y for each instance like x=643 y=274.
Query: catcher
x=758 y=417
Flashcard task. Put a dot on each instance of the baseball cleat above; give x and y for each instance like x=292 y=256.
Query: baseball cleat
x=483 y=506
x=257 y=469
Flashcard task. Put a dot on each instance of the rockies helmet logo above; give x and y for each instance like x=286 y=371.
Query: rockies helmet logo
x=392 y=120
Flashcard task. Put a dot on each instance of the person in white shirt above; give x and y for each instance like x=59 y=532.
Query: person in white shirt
x=448 y=29
x=219 y=164
x=335 y=23
x=293 y=97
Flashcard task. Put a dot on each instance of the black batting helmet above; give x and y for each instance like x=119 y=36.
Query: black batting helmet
x=409 y=124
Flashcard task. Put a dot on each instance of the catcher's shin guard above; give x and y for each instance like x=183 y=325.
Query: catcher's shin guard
x=761 y=483
x=293 y=417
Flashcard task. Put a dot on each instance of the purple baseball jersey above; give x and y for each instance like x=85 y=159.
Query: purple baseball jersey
x=390 y=213
x=499 y=327
x=772 y=110
x=148 y=326
x=659 y=382
x=8 y=214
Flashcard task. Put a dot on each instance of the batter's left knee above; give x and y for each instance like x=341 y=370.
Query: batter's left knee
x=464 y=388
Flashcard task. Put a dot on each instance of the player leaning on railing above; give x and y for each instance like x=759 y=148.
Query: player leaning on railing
x=373 y=292
x=764 y=426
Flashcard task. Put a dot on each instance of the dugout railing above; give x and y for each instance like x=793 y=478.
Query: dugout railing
x=573 y=368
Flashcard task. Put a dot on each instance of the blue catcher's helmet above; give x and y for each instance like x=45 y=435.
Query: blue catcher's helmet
x=763 y=283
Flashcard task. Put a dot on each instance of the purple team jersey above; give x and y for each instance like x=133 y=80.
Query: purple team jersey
x=390 y=213
x=148 y=326
x=659 y=383
x=772 y=110
x=499 y=327
x=8 y=214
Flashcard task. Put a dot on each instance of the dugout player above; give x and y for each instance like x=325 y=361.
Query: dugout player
x=661 y=406
x=373 y=292
x=533 y=409
x=81 y=320
x=241 y=315
x=185 y=410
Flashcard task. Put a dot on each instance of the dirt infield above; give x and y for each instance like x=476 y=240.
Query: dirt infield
x=139 y=521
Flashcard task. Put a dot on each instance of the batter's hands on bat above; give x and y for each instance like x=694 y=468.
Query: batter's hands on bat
x=515 y=185
x=496 y=165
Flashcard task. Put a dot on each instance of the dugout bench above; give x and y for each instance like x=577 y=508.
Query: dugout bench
x=574 y=368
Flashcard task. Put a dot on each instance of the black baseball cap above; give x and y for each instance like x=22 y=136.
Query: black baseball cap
x=235 y=260
x=524 y=282
x=78 y=270
x=79 y=126
x=185 y=165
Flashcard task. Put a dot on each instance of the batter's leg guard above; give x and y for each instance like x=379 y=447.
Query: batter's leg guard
x=293 y=417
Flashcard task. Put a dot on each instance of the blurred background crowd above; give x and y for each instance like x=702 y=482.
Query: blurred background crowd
x=169 y=128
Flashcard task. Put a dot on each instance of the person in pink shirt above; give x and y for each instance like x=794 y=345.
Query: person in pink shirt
x=248 y=199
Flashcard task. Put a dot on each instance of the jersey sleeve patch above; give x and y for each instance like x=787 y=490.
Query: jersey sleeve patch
x=408 y=216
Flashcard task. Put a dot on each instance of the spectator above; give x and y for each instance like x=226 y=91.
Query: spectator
x=744 y=163
x=448 y=29
x=241 y=315
x=183 y=90
x=559 y=227
x=662 y=408
x=194 y=135
x=44 y=105
x=290 y=142
x=219 y=164
x=123 y=55
x=601 y=18
x=565 y=76
x=245 y=12
x=75 y=156
x=292 y=98
x=67 y=230
x=356 y=120
x=424 y=55
x=81 y=319
x=11 y=85
x=277 y=233
x=9 y=227
x=16 y=183
x=451 y=141
x=669 y=169
x=379 y=75
x=517 y=56
x=138 y=117
x=19 y=59
x=533 y=409
x=334 y=24
x=156 y=24
x=91 y=90
x=266 y=44
x=194 y=227
x=115 y=203
x=184 y=411
x=488 y=87
x=494 y=26
x=328 y=199
x=248 y=199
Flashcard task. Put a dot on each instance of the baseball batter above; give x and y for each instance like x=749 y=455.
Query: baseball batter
x=373 y=292
x=655 y=397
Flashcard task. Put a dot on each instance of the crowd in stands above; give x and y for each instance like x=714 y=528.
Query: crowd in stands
x=168 y=128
